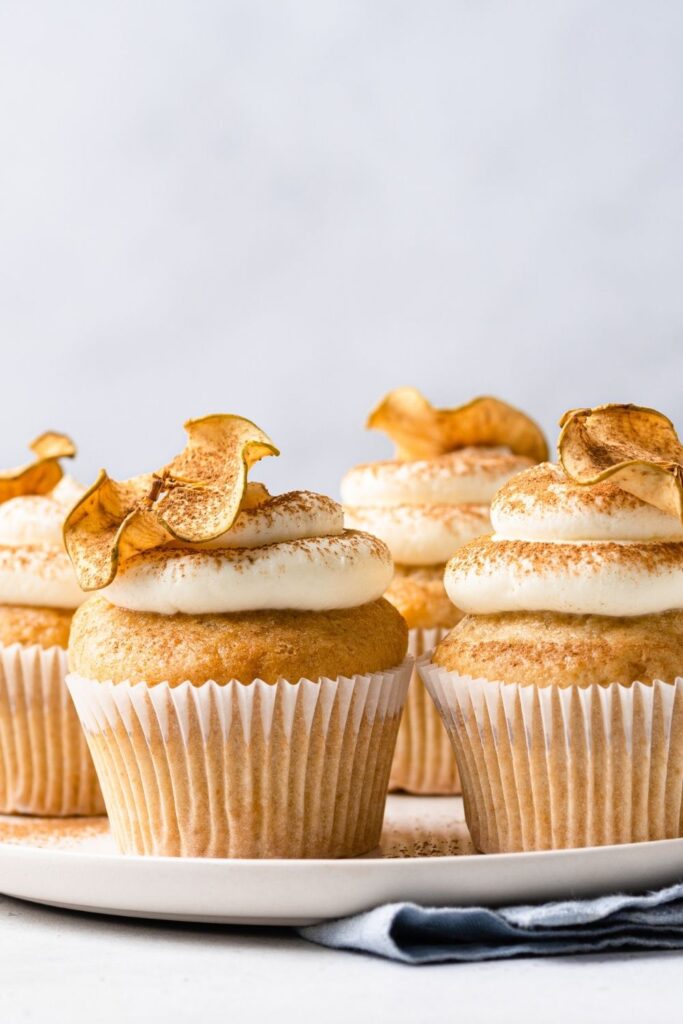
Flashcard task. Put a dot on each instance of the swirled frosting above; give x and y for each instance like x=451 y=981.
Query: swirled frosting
x=560 y=547
x=425 y=509
x=34 y=567
x=289 y=552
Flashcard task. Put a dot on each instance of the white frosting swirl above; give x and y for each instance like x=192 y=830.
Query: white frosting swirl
x=34 y=567
x=421 y=534
x=314 y=574
x=559 y=547
x=290 y=552
x=468 y=476
x=291 y=516
x=426 y=508
x=579 y=578
x=542 y=504
x=42 y=577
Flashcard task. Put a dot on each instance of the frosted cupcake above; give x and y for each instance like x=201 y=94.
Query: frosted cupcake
x=561 y=687
x=433 y=497
x=239 y=677
x=45 y=767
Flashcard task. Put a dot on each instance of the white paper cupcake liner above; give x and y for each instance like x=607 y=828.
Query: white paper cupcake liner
x=245 y=770
x=555 y=767
x=424 y=761
x=45 y=765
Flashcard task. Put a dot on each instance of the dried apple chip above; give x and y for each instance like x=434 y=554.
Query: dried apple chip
x=44 y=473
x=421 y=431
x=631 y=446
x=195 y=498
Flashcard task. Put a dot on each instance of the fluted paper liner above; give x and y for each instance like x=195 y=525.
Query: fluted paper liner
x=245 y=770
x=45 y=765
x=556 y=767
x=424 y=761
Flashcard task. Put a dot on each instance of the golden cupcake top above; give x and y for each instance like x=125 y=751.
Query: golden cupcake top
x=34 y=499
x=434 y=495
x=575 y=538
x=112 y=643
x=197 y=537
x=544 y=649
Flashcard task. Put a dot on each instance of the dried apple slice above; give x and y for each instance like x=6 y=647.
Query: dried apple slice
x=634 y=447
x=195 y=498
x=421 y=431
x=44 y=473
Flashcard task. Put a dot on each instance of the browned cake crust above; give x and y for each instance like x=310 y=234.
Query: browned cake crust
x=544 y=648
x=418 y=593
x=110 y=643
x=26 y=624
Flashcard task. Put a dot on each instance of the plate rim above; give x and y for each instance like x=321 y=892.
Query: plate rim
x=354 y=863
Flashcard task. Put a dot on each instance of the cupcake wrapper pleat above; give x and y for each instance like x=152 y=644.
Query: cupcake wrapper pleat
x=244 y=770
x=45 y=764
x=424 y=762
x=556 y=767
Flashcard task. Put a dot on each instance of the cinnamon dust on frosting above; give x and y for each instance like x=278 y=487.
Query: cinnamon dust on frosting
x=466 y=476
x=570 y=558
x=560 y=547
x=543 y=505
x=291 y=516
x=311 y=573
x=425 y=509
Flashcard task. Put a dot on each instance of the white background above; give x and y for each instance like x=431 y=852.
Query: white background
x=283 y=209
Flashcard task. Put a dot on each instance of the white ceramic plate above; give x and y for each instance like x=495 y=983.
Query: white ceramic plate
x=426 y=856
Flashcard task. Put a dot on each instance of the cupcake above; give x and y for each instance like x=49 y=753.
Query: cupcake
x=45 y=767
x=432 y=498
x=561 y=688
x=239 y=676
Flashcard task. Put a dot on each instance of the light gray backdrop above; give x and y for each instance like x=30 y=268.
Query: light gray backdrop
x=286 y=208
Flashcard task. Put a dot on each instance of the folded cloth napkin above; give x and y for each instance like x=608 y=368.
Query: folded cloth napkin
x=427 y=935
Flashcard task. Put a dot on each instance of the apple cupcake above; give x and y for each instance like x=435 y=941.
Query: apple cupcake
x=45 y=766
x=561 y=688
x=432 y=498
x=239 y=676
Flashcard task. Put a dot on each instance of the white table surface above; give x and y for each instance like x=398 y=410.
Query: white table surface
x=67 y=968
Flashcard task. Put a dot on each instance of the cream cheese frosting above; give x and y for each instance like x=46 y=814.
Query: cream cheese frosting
x=289 y=552
x=468 y=476
x=424 y=509
x=38 y=576
x=312 y=574
x=292 y=516
x=34 y=567
x=543 y=504
x=421 y=534
x=559 y=547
